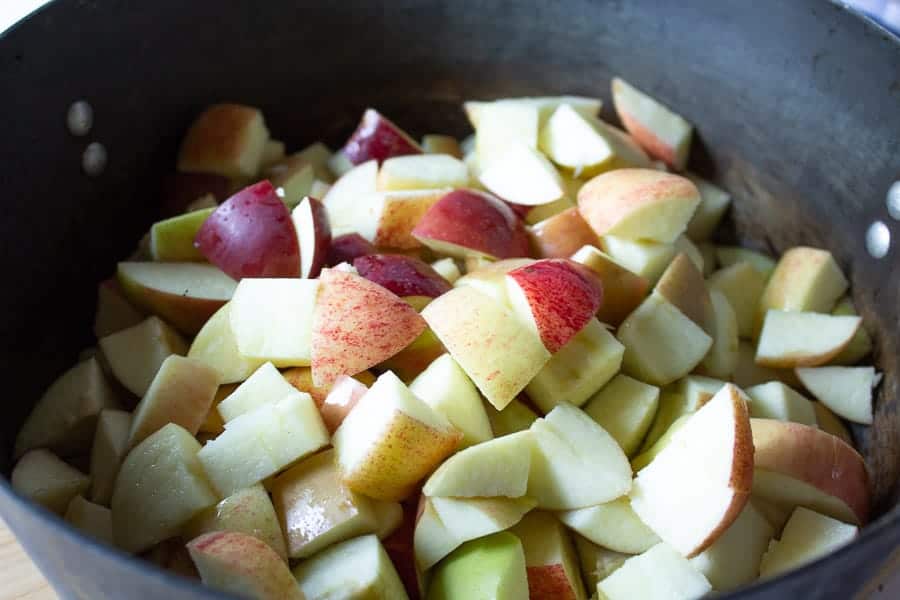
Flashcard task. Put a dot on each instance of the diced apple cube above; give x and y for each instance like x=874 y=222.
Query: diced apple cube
x=91 y=519
x=550 y=558
x=399 y=213
x=135 y=354
x=523 y=175
x=226 y=139
x=774 y=400
x=562 y=234
x=845 y=390
x=422 y=172
x=623 y=290
x=660 y=573
x=502 y=125
x=114 y=313
x=546 y=106
x=625 y=408
x=46 y=480
x=108 y=451
x=807 y=536
x=861 y=344
x=722 y=358
x=264 y=386
x=714 y=201
x=644 y=258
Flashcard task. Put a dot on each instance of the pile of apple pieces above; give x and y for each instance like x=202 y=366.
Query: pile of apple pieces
x=351 y=406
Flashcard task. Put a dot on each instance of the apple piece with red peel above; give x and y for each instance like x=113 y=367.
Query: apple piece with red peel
x=660 y=572
x=343 y=199
x=556 y=297
x=356 y=325
x=803 y=339
x=561 y=235
x=396 y=215
x=346 y=248
x=226 y=139
x=251 y=235
x=180 y=190
x=845 y=390
x=377 y=138
x=314 y=234
x=661 y=132
x=472 y=223
x=402 y=275
x=550 y=559
x=623 y=291
x=344 y=395
x=640 y=204
x=490 y=279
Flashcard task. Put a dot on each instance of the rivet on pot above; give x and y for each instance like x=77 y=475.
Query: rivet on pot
x=893 y=201
x=93 y=161
x=80 y=118
x=878 y=239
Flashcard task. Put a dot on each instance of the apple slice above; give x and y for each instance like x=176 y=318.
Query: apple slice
x=181 y=392
x=342 y=200
x=43 y=478
x=391 y=440
x=729 y=255
x=497 y=467
x=861 y=344
x=550 y=559
x=623 y=290
x=555 y=297
x=580 y=368
x=613 y=525
x=64 y=418
x=845 y=390
x=503 y=125
x=247 y=511
x=402 y=275
x=346 y=248
x=742 y=285
x=396 y=214
x=357 y=568
x=683 y=286
x=639 y=204
x=489 y=567
x=377 y=138
x=226 y=139
x=498 y=352
x=699 y=483
x=135 y=354
x=562 y=234
x=660 y=131
x=575 y=463
x=535 y=214
x=422 y=172
x=714 y=202
x=264 y=386
x=161 y=480
x=91 y=519
x=803 y=339
x=107 y=452
x=722 y=358
x=657 y=574
x=311 y=224
x=797 y=465
x=516 y=416
x=570 y=140
x=243 y=565
x=272 y=319
x=114 y=313
x=625 y=408
x=807 y=537
x=545 y=105
x=356 y=325
x=173 y=238
x=489 y=279
x=216 y=346
x=774 y=400
x=597 y=563
x=447 y=268
x=470 y=223
x=831 y=423
x=524 y=176
x=434 y=143
x=644 y=258
x=445 y=387
x=292 y=179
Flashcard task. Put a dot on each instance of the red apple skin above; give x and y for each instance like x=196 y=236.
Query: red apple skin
x=478 y=221
x=180 y=189
x=343 y=396
x=321 y=234
x=378 y=138
x=549 y=582
x=347 y=248
x=251 y=235
x=403 y=275
x=563 y=298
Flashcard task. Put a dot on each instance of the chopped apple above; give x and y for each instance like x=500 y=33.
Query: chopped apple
x=162 y=481
x=135 y=354
x=248 y=511
x=729 y=255
x=396 y=215
x=683 y=244
x=377 y=138
x=318 y=155
x=648 y=454
x=575 y=462
x=845 y=390
x=391 y=440
x=675 y=404
x=273 y=151
x=714 y=201
x=597 y=563
x=623 y=290
x=45 y=479
x=422 y=172
x=91 y=519
x=403 y=275
x=107 y=452
x=213 y=424
x=546 y=106
x=572 y=141
x=355 y=569
x=722 y=358
x=216 y=346
x=497 y=351
x=341 y=399
x=625 y=408
x=798 y=465
x=774 y=400
x=536 y=214
x=775 y=514
x=415 y=358
x=562 y=234
x=516 y=416
x=613 y=525
x=226 y=139
x=643 y=258
x=301 y=379
x=861 y=344
x=314 y=233
x=292 y=179
x=698 y=484
x=489 y=279
x=261 y=442
x=708 y=254
x=682 y=285
x=831 y=423
x=342 y=200
x=264 y=386
x=803 y=339
x=345 y=248
x=173 y=238
x=661 y=343
x=272 y=319
x=434 y=143
x=660 y=573
x=489 y=567
x=114 y=312
x=660 y=131
x=550 y=559
x=243 y=565
x=524 y=176
x=747 y=373
x=447 y=268
x=807 y=537
x=503 y=125
x=65 y=417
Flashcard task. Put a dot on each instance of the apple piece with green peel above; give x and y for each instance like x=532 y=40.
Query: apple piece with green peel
x=292 y=179
x=714 y=201
x=807 y=536
x=742 y=285
x=248 y=511
x=661 y=343
x=65 y=417
x=638 y=204
x=562 y=234
x=580 y=368
x=43 y=478
x=91 y=519
x=314 y=234
x=444 y=386
x=173 y=239
x=516 y=416
x=831 y=423
x=489 y=278
x=861 y=344
x=575 y=463
x=625 y=408
x=682 y=285
x=342 y=200
x=114 y=313
x=243 y=565
x=225 y=139
x=550 y=559
x=107 y=452
x=698 y=484
x=162 y=480
x=216 y=346
x=623 y=290
x=489 y=567
x=545 y=105
x=357 y=324
x=402 y=275
x=657 y=574
x=264 y=386
x=642 y=257
x=447 y=268
x=524 y=176
x=182 y=392
x=355 y=569
x=391 y=440
x=722 y=358
x=184 y=294
x=798 y=465
x=377 y=138
x=613 y=525
x=135 y=354
x=803 y=339
x=497 y=467
x=597 y=562
x=422 y=172
x=435 y=143
x=774 y=400
x=272 y=319
x=498 y=352
x=845 y=390
x=261 y=442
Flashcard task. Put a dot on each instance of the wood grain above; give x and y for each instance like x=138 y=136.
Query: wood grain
x=19 y=578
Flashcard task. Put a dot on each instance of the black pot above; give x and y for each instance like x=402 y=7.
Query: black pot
x=797 y=106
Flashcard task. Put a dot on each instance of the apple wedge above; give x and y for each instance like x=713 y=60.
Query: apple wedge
x=503 y=125
x=346 y=248
x=798 y=465
x=357 y=324
x=845 y=390
x=402 y=275
x=597 y=563
x=243 y=565
x=43 y=478
x=342 y=200
x=660 y=573
x=314 y=233
x=536 y=214
x=107 y=452
x=742 y=285
x=613 y=525
x=422 y=172
x=134 y=355
x=391 y=440
x=831 y=423
x=173 y=238
x=226 y=139
x=216 y=346
x=643 y=258
x=377 y=138
x=774 y=400
x=714 y=201
x=91 y=519
x=516 y=416
x=546 y=106
x=292 y=178
x=722 y=358
x=341 y=399
x=625 y=408
x=729 y=255
x=623 y=290
x=807 y=536
x=489 y=279
x=550 y=559
x=489 y=567
x=447 y=268
x=698 y=484
x=184 y=294
x=524 y=176
x=434 y=143
x=572 y=141
x=114 y=313
x=861 y=344
x=803 y=339
x=264 y=386
x=562 y=234
x=396 y=215
x=683 y=286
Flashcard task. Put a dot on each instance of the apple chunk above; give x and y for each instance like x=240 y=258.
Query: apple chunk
x=173 y=238
x=625 y=408
x=422 y=172
x=114 y=313
x=524 y=176
x=613 y=525
x=660 y=573
x=395 y=215
x=434 y=143
x=346 y=248
x=402 y=275
x=91 y=519
x=623 y=290
x=311 y=224
x=226 y=139
x=107 y=452
x=714 y=201
x=135 y=354
x=562 y=234
x=683 y=286
x=264 y=386
x=216 y=346
x=803 y=339
x=377 y=138
x=742 y=285
x=775 y=400
x=697 y=486
x=722 y=358
x=550 y=559
x=489 y=567
x=644 y=258
x=807 y=536
x=845 y=390
x=46 y=480
x=292 y=178
x=517 y=416
x=343 y=199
